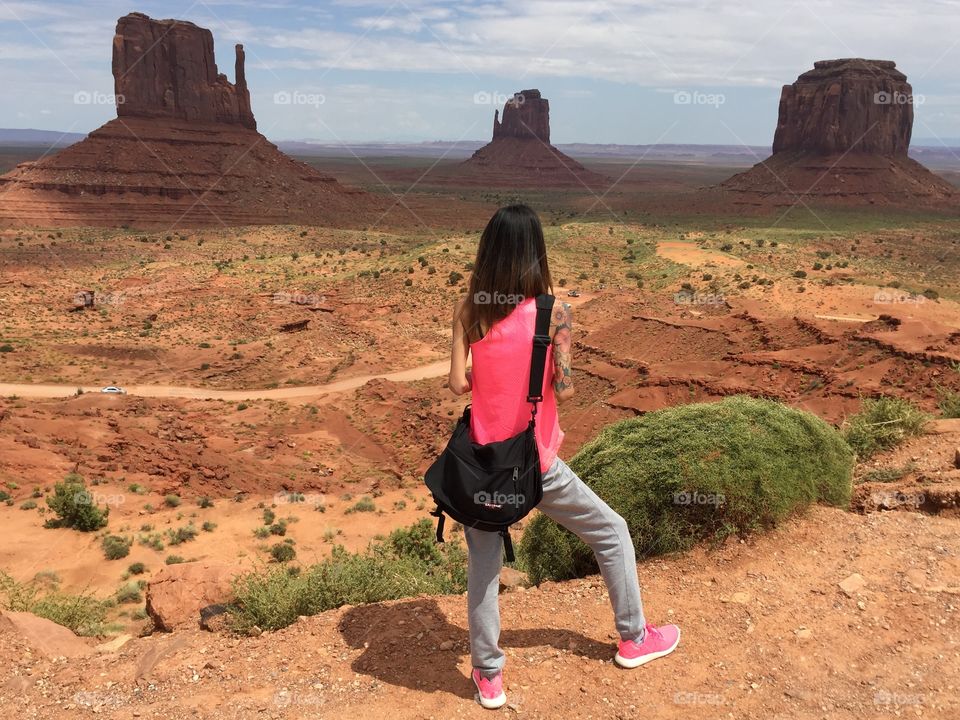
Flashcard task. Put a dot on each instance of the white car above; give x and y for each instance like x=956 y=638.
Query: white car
x=113 y=389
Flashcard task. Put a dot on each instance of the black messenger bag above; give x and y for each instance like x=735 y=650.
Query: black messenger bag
x=490 y=487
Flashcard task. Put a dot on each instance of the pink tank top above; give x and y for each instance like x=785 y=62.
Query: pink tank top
x=501 y=375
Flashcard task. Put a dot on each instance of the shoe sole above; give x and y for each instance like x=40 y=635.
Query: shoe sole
x=636 y=662
x=489 y=703
x=492 y=703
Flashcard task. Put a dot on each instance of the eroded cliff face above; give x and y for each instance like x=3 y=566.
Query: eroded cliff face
x=842 y=136
x=166 y=68
x=849 y=105
x=525 y=115
x=520 y=153
x=183 y=151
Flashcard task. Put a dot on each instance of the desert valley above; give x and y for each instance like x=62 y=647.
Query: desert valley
x=238 y=350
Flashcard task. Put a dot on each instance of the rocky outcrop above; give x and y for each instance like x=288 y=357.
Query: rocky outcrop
x=166 y=68
x=525 y=115
x=842 y=136
x=863 y=106
x=177 y=594
x=520 y=153
x=183 y=151
x=44 y=636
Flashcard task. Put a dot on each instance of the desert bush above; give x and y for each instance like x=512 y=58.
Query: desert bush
x=73 y=505
x=172 y=501
x=84 y=614
x=949 y=403
x=129 y=593
x=181 y=535
x=697 y=472
x=283 y=552
x=116 y=547
x=362 y=505
x=137 y=568
x=883 y=423
x=174 y=560
x=406 y=563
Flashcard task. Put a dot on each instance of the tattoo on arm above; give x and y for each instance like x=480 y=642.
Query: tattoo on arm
x=562 y=348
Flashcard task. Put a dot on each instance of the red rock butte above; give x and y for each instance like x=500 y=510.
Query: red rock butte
x=842 y=135
x=183 y=151
x=520 y=153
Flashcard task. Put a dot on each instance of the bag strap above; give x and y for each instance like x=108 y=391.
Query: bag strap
x=538 y=356
x=438 y=514
x=507 y=545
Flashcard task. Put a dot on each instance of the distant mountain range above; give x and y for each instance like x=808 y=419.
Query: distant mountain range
x=931 y=152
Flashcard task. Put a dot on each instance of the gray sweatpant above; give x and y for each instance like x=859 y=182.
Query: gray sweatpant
x=571 y=503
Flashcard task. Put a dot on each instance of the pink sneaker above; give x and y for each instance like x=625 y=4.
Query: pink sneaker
x=657 y=642
x=489 y=691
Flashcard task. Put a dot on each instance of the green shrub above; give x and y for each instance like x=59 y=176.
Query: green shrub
x=172 y=501
x=84 y=614
x=129 y=593
x=174 y=560
x=696 y=472
x=283 y=552
x=28 y=505
x=883 y=423
x=181 y=535
x=949 y=403
x=362 y=505
x=137 y=568
x=73 y=505
x=406 y=563
x=205 y=502
x=116 y=547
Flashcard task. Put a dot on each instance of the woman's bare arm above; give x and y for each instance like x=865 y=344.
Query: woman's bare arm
x=563 y=352
x=459 y=381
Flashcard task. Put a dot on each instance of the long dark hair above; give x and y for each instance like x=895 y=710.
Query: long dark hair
x=511 y=266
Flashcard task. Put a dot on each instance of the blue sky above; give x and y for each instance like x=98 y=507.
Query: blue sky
x=416 y=70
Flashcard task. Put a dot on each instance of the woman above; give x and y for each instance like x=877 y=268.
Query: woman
x=494 y=323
